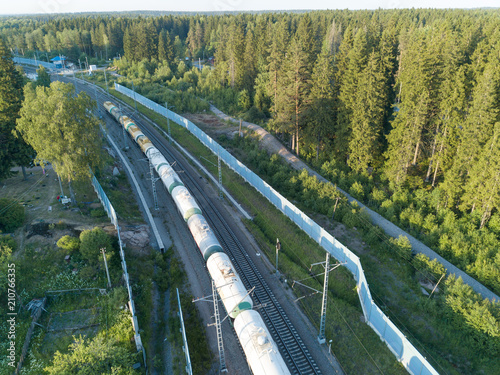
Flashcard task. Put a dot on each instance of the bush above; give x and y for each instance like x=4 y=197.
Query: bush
x=68 y=243
x=402 y=246
x=11 y=215
x=428 y=268
x=254 y=114
x=8 y=241
x=356 y=190
x=99 y=212
x=91 y=243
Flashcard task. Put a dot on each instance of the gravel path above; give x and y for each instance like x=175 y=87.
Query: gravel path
x=275 y=147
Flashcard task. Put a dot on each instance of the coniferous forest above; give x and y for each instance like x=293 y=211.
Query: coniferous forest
x=401 y=108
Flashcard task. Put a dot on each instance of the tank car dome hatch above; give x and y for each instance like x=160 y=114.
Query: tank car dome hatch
x=262 y=340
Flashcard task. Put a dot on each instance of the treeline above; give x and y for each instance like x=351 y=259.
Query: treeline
x=400 y=107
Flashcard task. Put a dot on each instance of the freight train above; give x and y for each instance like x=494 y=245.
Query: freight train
x=260 y=349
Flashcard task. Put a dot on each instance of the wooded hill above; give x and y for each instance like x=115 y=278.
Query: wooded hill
x=399 y=107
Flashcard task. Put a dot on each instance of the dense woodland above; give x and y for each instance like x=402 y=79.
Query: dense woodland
x=401 y=108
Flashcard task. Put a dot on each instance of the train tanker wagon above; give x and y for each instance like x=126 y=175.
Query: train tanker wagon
x=185 y=202
x=168 y=176
x=260 y=349
x=113 y=110
x=231 y=290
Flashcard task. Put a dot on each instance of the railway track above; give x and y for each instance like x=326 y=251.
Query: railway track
x=295 y=353
x=292 y=348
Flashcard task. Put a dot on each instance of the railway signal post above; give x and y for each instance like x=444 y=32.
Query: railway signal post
x=278 y=248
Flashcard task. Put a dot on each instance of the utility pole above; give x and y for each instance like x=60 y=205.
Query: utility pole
x=168 y=124
x=185 y=347
x=278 y=248
x=103 y=250
x=97 y=101
x=106 y=80
x=326 y=264
x=430 y=295
x=218 y=327
x=335 y=207
x=135 y=101
x=153 y=182
x=221 y=195
x=239 y=132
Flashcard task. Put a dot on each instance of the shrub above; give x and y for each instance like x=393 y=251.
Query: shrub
x=428 y=268
x=91 y=242
x=8 y=241
x=99 y=212
x=68 y=243
x=402 y=246
x=11 y=215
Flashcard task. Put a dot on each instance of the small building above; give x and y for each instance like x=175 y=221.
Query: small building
x=59 y=61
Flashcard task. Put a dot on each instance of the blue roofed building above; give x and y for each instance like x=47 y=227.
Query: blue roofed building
x=59 y=61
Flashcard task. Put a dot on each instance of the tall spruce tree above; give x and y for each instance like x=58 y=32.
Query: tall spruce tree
x=482 y=191
x=294 y=93
x=12 y=149
x=416 y=82
x=351 y=66
x=277 y=51
x=483 y=113
x=321 y=113
x=367 y=118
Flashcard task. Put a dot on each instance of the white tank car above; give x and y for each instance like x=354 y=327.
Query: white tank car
x=228 y=283
x=185 y=202
x=168 y=176
x=113 y=110
x=203 y=236
x=261 y=351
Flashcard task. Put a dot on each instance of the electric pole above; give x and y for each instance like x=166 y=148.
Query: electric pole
x=103 y=250
x=278 y=248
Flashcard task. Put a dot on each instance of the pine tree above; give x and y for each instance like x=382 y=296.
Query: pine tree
x=12 y=149
x=417 y=79
x=354 y=64
x=275 y=59
x=129 y=44
x=452 y=98
x=367 y=116
x=162 y=46
x=483 y=113
x=250 y=62
x=294 y=93
x=482 y=190
x=321 y=112
x=43 y=78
